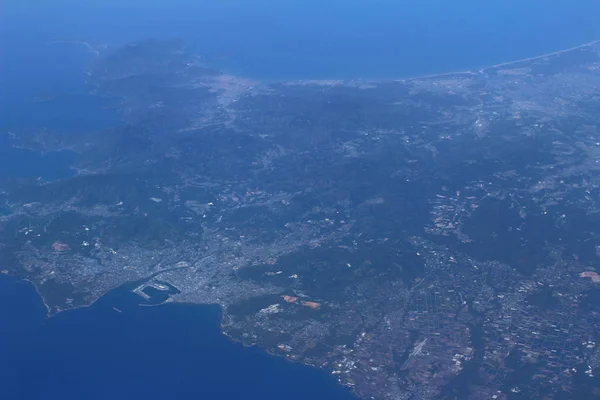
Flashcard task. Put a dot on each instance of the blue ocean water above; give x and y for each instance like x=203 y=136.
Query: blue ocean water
x=320 y=38
x=22 y=163
x=177 y=351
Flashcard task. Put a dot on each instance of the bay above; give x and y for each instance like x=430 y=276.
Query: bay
x=119 y=349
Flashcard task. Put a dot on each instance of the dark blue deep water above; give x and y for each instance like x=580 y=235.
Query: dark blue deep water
x=176 y=351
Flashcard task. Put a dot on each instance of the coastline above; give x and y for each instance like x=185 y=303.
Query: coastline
x=470 y=72
x=554 y=53
x=215 y=314
x=502 y=64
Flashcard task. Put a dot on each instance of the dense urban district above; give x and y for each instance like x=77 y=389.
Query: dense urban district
x=426 y=238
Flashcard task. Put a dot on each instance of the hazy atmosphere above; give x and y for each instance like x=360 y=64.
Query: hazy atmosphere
x=390 y=200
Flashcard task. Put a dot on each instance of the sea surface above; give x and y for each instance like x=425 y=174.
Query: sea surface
x=177 y=351
x=270 y=39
